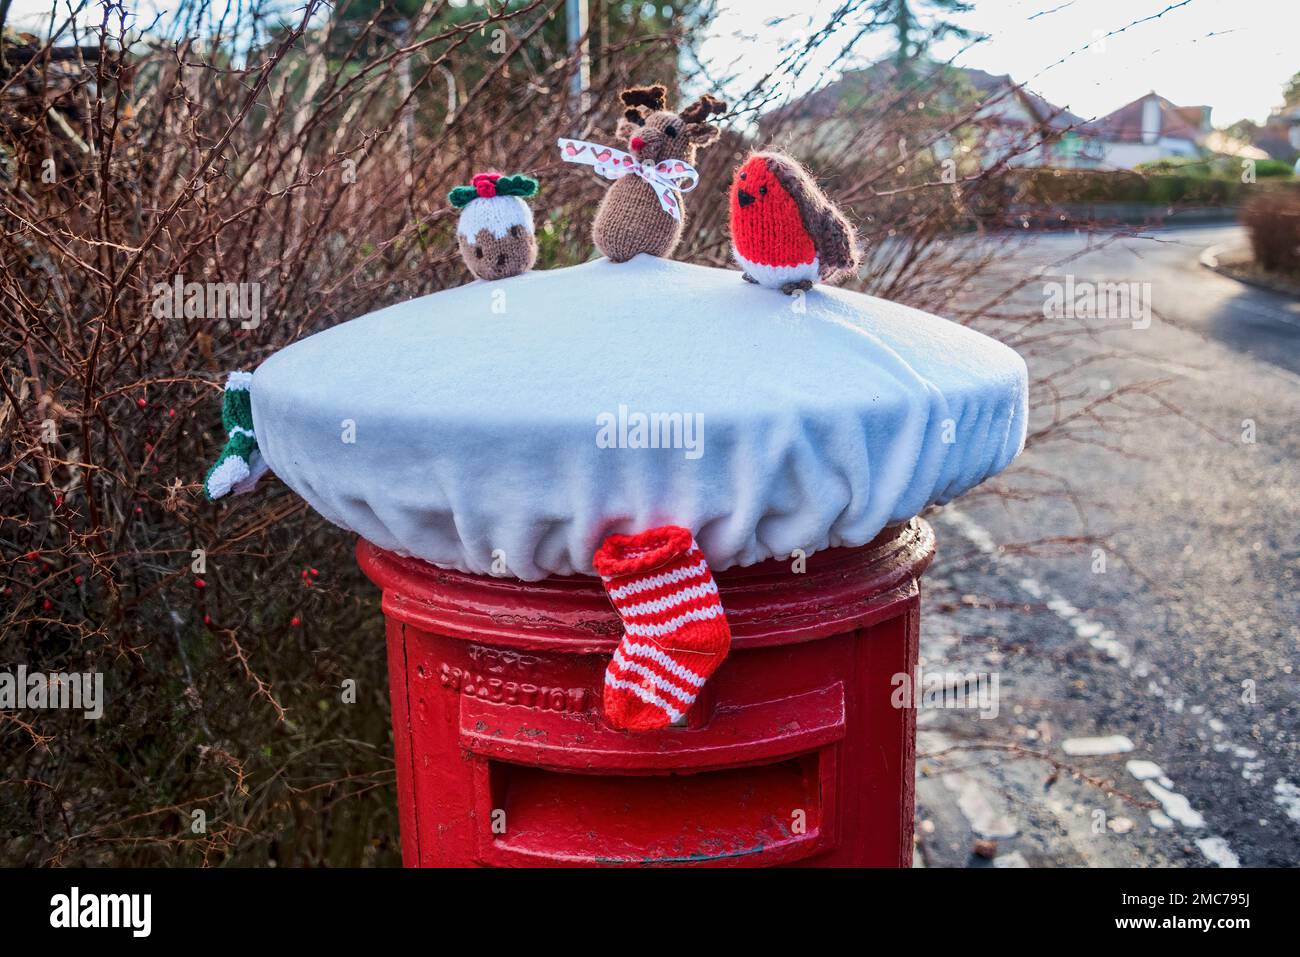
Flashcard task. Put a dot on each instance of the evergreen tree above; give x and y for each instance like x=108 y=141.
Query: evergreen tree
x=918 y=24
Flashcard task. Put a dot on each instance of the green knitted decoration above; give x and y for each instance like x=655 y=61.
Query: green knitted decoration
x=462 y=196
x=517 y=185
x=495 y=185
x=239 y=459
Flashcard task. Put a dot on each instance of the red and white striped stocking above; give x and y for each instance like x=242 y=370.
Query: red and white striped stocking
x=675 y=631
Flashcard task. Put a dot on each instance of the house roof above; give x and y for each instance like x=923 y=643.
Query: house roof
x=826 y=102
x=1044 y=111
x=1125 y=124
x=1274 y=139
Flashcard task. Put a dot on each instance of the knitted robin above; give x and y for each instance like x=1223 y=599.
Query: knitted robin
x=785 y=233
x=495 y=231
x=633 y=218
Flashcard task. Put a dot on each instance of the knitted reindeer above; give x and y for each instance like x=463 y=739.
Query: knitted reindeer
x=642 y=210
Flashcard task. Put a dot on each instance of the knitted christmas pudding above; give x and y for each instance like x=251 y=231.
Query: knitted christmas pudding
x=495 y=229
x=612 y=398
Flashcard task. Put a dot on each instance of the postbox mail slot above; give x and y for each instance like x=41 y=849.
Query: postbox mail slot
x=739 y=735
x=758 y=815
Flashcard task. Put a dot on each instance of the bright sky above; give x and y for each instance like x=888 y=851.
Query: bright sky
x=1234 y=55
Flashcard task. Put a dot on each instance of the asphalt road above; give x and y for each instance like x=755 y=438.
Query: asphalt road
x=1177 y=635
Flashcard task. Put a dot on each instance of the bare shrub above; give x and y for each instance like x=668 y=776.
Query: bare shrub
x=1272 y=220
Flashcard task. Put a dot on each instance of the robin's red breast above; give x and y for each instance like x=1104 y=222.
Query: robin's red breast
x=766 y=225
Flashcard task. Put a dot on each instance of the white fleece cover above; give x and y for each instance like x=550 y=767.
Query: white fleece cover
x=476 y=430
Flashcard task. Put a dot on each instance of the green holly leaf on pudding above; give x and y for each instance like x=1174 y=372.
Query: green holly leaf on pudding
x=517 y=185
x=462 y=196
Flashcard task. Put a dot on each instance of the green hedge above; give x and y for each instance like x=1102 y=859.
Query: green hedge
x=1047 y=187
x=1218 y=167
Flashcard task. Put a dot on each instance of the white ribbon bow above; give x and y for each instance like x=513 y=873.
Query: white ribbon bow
x=664 y=177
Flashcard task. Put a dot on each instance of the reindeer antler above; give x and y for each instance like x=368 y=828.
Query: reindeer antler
x=699 y=111
x=653 y=97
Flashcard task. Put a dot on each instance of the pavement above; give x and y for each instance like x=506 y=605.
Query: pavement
x=1146 y=686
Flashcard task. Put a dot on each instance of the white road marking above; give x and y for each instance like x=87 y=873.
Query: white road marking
x=1288 y=796
x=1217 y=851
x=1176 y=807
x=1095 y=747
x=985 y=820
x=980 y=808
x=1145 y=771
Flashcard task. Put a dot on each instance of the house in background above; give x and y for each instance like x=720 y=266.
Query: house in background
x=1013 y=118
x=1012 y=126
x=1290 y=116
x=1278 y=138
x=1280 y=135
x=1151 y=128
x=1008 y=125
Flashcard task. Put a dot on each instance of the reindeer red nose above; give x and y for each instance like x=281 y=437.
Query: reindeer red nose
x=636 y=143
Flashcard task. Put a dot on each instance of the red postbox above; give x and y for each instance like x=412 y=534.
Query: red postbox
x=793 y=754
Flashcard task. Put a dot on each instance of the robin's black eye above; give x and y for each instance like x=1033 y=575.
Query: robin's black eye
x=762 y=191
x=744 y=175
x=514 y=231
x=478 y=252
x=670 y=130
